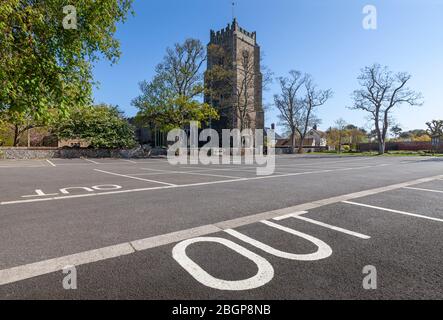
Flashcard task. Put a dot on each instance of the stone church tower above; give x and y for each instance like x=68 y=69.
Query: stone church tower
x=240 y=101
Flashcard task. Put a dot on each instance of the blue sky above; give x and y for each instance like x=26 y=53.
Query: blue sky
x=322 y=37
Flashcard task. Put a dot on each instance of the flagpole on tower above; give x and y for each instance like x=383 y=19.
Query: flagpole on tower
x=233 y=10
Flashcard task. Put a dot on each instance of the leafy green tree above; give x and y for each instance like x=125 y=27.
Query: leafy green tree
x=173 y=98
x=44 y=66
x=21 y=122
x=102 y=126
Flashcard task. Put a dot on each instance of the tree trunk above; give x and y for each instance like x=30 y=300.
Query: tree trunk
x=293 y=142
x=300 y=146
x=16 y=135
x=381 y=147
x=339 y=145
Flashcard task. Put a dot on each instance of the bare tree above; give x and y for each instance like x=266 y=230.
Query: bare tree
x=396 y=130
x=381 y=92
x=341 y=128
x=435 y=131
x=297 y=108
x=244 y=90
x=307 y=118
x=435 y=128
x=288 y=103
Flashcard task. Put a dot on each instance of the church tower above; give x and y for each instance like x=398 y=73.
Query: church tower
x=234 y=78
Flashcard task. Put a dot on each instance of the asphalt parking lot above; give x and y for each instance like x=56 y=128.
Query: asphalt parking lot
x=143 y=229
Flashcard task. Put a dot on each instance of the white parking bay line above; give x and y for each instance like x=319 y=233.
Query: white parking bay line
x=92 y=161
x=50 y=162
x=325 y=225
x=196 y=173
x=426 y=190
x=135 y=178
x=393 y=211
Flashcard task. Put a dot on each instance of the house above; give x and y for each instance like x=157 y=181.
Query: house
x=315 y=140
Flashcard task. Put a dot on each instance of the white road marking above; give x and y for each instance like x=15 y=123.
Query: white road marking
x=249 y=170
x=332 y=200
x=298 y=215
x=393 y=211
x=191 y=173
x=264 y=274
x=130 y=161
x=40 y=193
x=164 y=239
x=44 y=267
x=426 y=190
x=23 y=166
x=164 y=172
x=92 y=161
x=290 y=215
x=324 y=250
x=135 y=178
x=53 y=265
x=50 y=162
x=350 y=161
x=107 y=187
x=65 y=190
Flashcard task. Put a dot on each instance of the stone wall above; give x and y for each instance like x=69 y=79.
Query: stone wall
x=69 y=153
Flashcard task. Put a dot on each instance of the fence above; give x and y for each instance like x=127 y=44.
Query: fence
x=400 y=146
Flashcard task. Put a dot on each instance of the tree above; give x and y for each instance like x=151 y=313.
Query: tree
x=22 y=122
x=297 y=103
x=289 y=104
x=172 y=99
x=396 y=131
x=46 y=67
x=102 y=126
x=306 y=118
x=435 y=132
x=345 y=133
x=381 y=92
x=356 y=135
x=340 y=125
x=435 y=128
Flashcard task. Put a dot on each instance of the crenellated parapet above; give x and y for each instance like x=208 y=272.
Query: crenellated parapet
x=227 y=33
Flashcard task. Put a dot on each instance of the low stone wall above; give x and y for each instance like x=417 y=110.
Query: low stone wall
x=68 y=153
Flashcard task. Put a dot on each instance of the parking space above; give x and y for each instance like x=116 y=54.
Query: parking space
x=191 y=231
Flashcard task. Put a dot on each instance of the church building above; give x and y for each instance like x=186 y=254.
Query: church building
x=233 y=53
